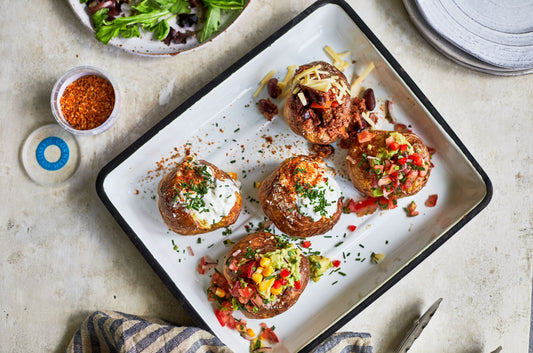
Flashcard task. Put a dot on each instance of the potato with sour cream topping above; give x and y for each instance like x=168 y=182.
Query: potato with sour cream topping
x=301 y=197
x=198 y=197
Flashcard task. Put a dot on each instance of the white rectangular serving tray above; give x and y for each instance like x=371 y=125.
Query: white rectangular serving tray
x=221 y=124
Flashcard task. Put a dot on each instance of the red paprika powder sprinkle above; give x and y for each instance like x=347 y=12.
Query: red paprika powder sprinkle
x=88 y=102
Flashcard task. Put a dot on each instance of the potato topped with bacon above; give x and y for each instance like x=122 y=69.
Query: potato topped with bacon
x=318 y=105
x=388 y=163
x=197 y=197
x=301 y=197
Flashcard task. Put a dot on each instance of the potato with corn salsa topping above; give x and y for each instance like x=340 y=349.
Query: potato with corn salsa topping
x=301 y=197
x=388 y=164
x=198 y=197
x=263 y=276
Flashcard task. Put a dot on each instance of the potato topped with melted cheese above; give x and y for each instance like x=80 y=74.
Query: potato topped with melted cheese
x=318 y=106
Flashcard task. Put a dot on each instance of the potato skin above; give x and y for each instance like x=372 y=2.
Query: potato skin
x=319 y=126
x=363 y=180
x=277 y=205
x=177 y=218
x=261 y=243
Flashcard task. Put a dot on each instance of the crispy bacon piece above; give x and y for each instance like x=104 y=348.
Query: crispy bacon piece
x=268 y=108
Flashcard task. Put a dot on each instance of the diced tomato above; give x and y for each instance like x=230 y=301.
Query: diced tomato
x=394 y=146
x=306 y=244
x=297 y=285
x=365 y=136
x=363 y=207
x=283 y=281
x=403 y=147
x=336 y=263
x=402 y=160
x=223 y=315
x=411 y=209
x=334 y=104
x=285 y=273
x=417 y=160
x=268 y=334
x=401 y=128
x=277 y=284
x=351 y=228
x=432 y=200
x=201 y=266
x=387 y=203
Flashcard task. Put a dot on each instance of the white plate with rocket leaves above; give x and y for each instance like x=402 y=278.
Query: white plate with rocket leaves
x=157 y=27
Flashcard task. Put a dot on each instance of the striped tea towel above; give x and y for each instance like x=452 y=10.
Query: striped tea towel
x=111 y=331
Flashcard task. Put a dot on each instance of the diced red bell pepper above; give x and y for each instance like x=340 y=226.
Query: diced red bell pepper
x=326 y=105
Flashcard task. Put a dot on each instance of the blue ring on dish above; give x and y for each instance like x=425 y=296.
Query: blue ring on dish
x=52 y=141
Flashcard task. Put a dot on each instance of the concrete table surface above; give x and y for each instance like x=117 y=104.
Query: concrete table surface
x=63 y=255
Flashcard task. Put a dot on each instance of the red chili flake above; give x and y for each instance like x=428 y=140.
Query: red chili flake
x=432 y=200
x=306 y=244
x=336 y=263
x=87 y=102
x=351 y=228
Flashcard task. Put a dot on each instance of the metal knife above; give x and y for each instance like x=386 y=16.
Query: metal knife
x=417 y=328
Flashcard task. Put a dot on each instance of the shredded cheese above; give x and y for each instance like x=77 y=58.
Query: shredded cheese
x=306 y=73
x=361 y=78
x=264 y=82
x=301 y=95
x=338 y=60
x=367 y=118
x=288 y=76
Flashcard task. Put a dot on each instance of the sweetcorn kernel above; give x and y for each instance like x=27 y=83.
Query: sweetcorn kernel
x=267 y=271
x=257 y=277
x=265 y=261
x=263 y=286
x=276 y=291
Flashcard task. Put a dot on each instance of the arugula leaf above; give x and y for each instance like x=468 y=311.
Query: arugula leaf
x=225 y=4
x=111 y=29
x=211 y=25
x=161 y=30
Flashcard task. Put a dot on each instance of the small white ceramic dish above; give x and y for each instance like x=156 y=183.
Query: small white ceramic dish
x=59 y=88
x=221 y=124
x=146 y=46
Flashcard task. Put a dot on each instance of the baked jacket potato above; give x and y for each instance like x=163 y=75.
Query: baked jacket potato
x=197 y=197
x=388 y=163
x=265 y=274
x=301 y=197
x=318 y=106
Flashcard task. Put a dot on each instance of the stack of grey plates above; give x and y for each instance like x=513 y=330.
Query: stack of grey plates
x=491 y=36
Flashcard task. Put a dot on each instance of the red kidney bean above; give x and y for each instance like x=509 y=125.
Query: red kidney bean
x=370 y=99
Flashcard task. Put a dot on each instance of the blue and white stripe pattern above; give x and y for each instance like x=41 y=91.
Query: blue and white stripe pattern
x=111 y=331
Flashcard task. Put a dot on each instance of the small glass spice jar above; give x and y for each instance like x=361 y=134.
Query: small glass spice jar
x=85 y=101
